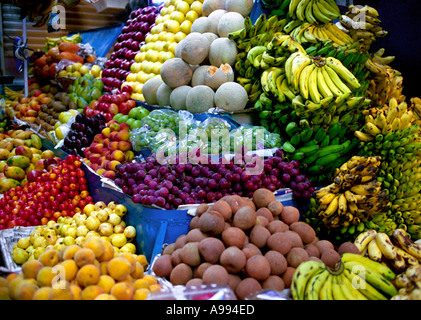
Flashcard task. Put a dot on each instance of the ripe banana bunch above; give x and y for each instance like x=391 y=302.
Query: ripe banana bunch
x=314 y=11
x=307 y=33
x=362 y=23
x=53 y=42
x=392 y=119
x=354 y=278
x=397 y=251
x=11 y=94
x=409 y=284
x=353 y=197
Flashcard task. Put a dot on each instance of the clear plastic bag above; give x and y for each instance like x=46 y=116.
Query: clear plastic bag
x=253 y=138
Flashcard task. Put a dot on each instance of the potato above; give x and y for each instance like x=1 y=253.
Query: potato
x=202 y=208
x=277 y=226
x=247 y=287
x=234 y=201
x=315 y=259
x=250 y=250
x=190 y=254
x=223 y=208
x=287 y=276
x=162 y=266
x=280 y=242
x=247 y=202
x=200 y=270
x=295 y=239
x=312 y=250
x=181 y=274
x=234 y=280
x=275 y=207
x=212 y=223
x=210 y=249
x=305 y=231
x=265 y=213
x=348 y=247
x=233 y=236
x=290 y=215
x=273 y=283
x=323 y=245
x=197 y=282
x=194 y=223
x=277 y=261
x=296 y=256
x=259 y=236
x=195 y=235
x=262 y=221
x=175 y=257
x=258 y=267
x=180 y=241
x=262 y=197
x=169 y=249
x=216 y=274
x=330 y=257
x=245 y=218
x=233 y=259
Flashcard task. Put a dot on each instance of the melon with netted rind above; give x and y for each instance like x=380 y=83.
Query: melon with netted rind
x=230 y=22
x=231 y=96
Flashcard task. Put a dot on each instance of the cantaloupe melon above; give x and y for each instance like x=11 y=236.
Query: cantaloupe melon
x=209 y=6
x=176 y=72
x=198 y=77
x=221 y=51
x=210 y=36
x=200 y=99
x=163 y=95
x=231 y=96
x=195 y=48
x=230 y=22
x=215 y=77
x=243 y=7
x=213 y=20
x=200 y=25
x=177 y=50
x=178 y=97
x=149 y=90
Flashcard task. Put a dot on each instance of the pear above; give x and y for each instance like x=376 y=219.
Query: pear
x=20 y=256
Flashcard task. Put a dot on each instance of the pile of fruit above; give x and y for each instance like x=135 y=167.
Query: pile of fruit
x=78 y=70
x=92 y=271
x=59 y=190
x=169 y=183
x=85 y=90
x=133 y=117
x=96 y=219
x=247 y=244
x=109 y=149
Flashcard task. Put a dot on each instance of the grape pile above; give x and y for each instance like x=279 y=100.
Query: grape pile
x=171 y=185
x=82 y=133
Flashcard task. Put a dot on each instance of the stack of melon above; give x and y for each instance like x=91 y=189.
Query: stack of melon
x=201 y=76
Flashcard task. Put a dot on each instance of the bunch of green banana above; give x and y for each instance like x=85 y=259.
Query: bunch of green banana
x=314 y=11
x=53 y=42
x=307 y=33
x=354 y=278
x=397 y=251
x=320 y=149
x=409 y=284
x=392 y=134
x=362 y=23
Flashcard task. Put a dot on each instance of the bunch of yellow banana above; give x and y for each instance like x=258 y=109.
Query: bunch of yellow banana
x=354 y=196
x=397 y=251
x=409 y=284
x=391 y=118
x=53 y=42
x=415 y=106
x=11 y=94
x=310 y=33
x=355 y=277
x=314 y=11
x=318 y=78
x=362 y=24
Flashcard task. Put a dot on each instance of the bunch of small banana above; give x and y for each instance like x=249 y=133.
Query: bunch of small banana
x=415 y=106
x=362 y=23
x=53 y=42
x=409 y=284
x=352 y=199
x=11 y=94
x=307 y=33
x=314 y=11
x=384 y=81
x=397 y=251
x=355 y=277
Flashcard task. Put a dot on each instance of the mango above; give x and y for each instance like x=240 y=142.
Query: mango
x=6 y=184
x=36 y=141
x=4 y=154
x=13 y=172
x=19 y=161
x=3 y=164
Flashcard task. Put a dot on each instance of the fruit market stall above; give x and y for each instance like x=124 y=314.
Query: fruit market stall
x=224 y=150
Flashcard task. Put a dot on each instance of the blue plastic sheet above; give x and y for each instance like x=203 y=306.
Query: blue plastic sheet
x=101 y=39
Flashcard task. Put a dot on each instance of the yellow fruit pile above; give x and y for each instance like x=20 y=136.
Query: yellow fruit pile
x=93 y=271
x=97 y=219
